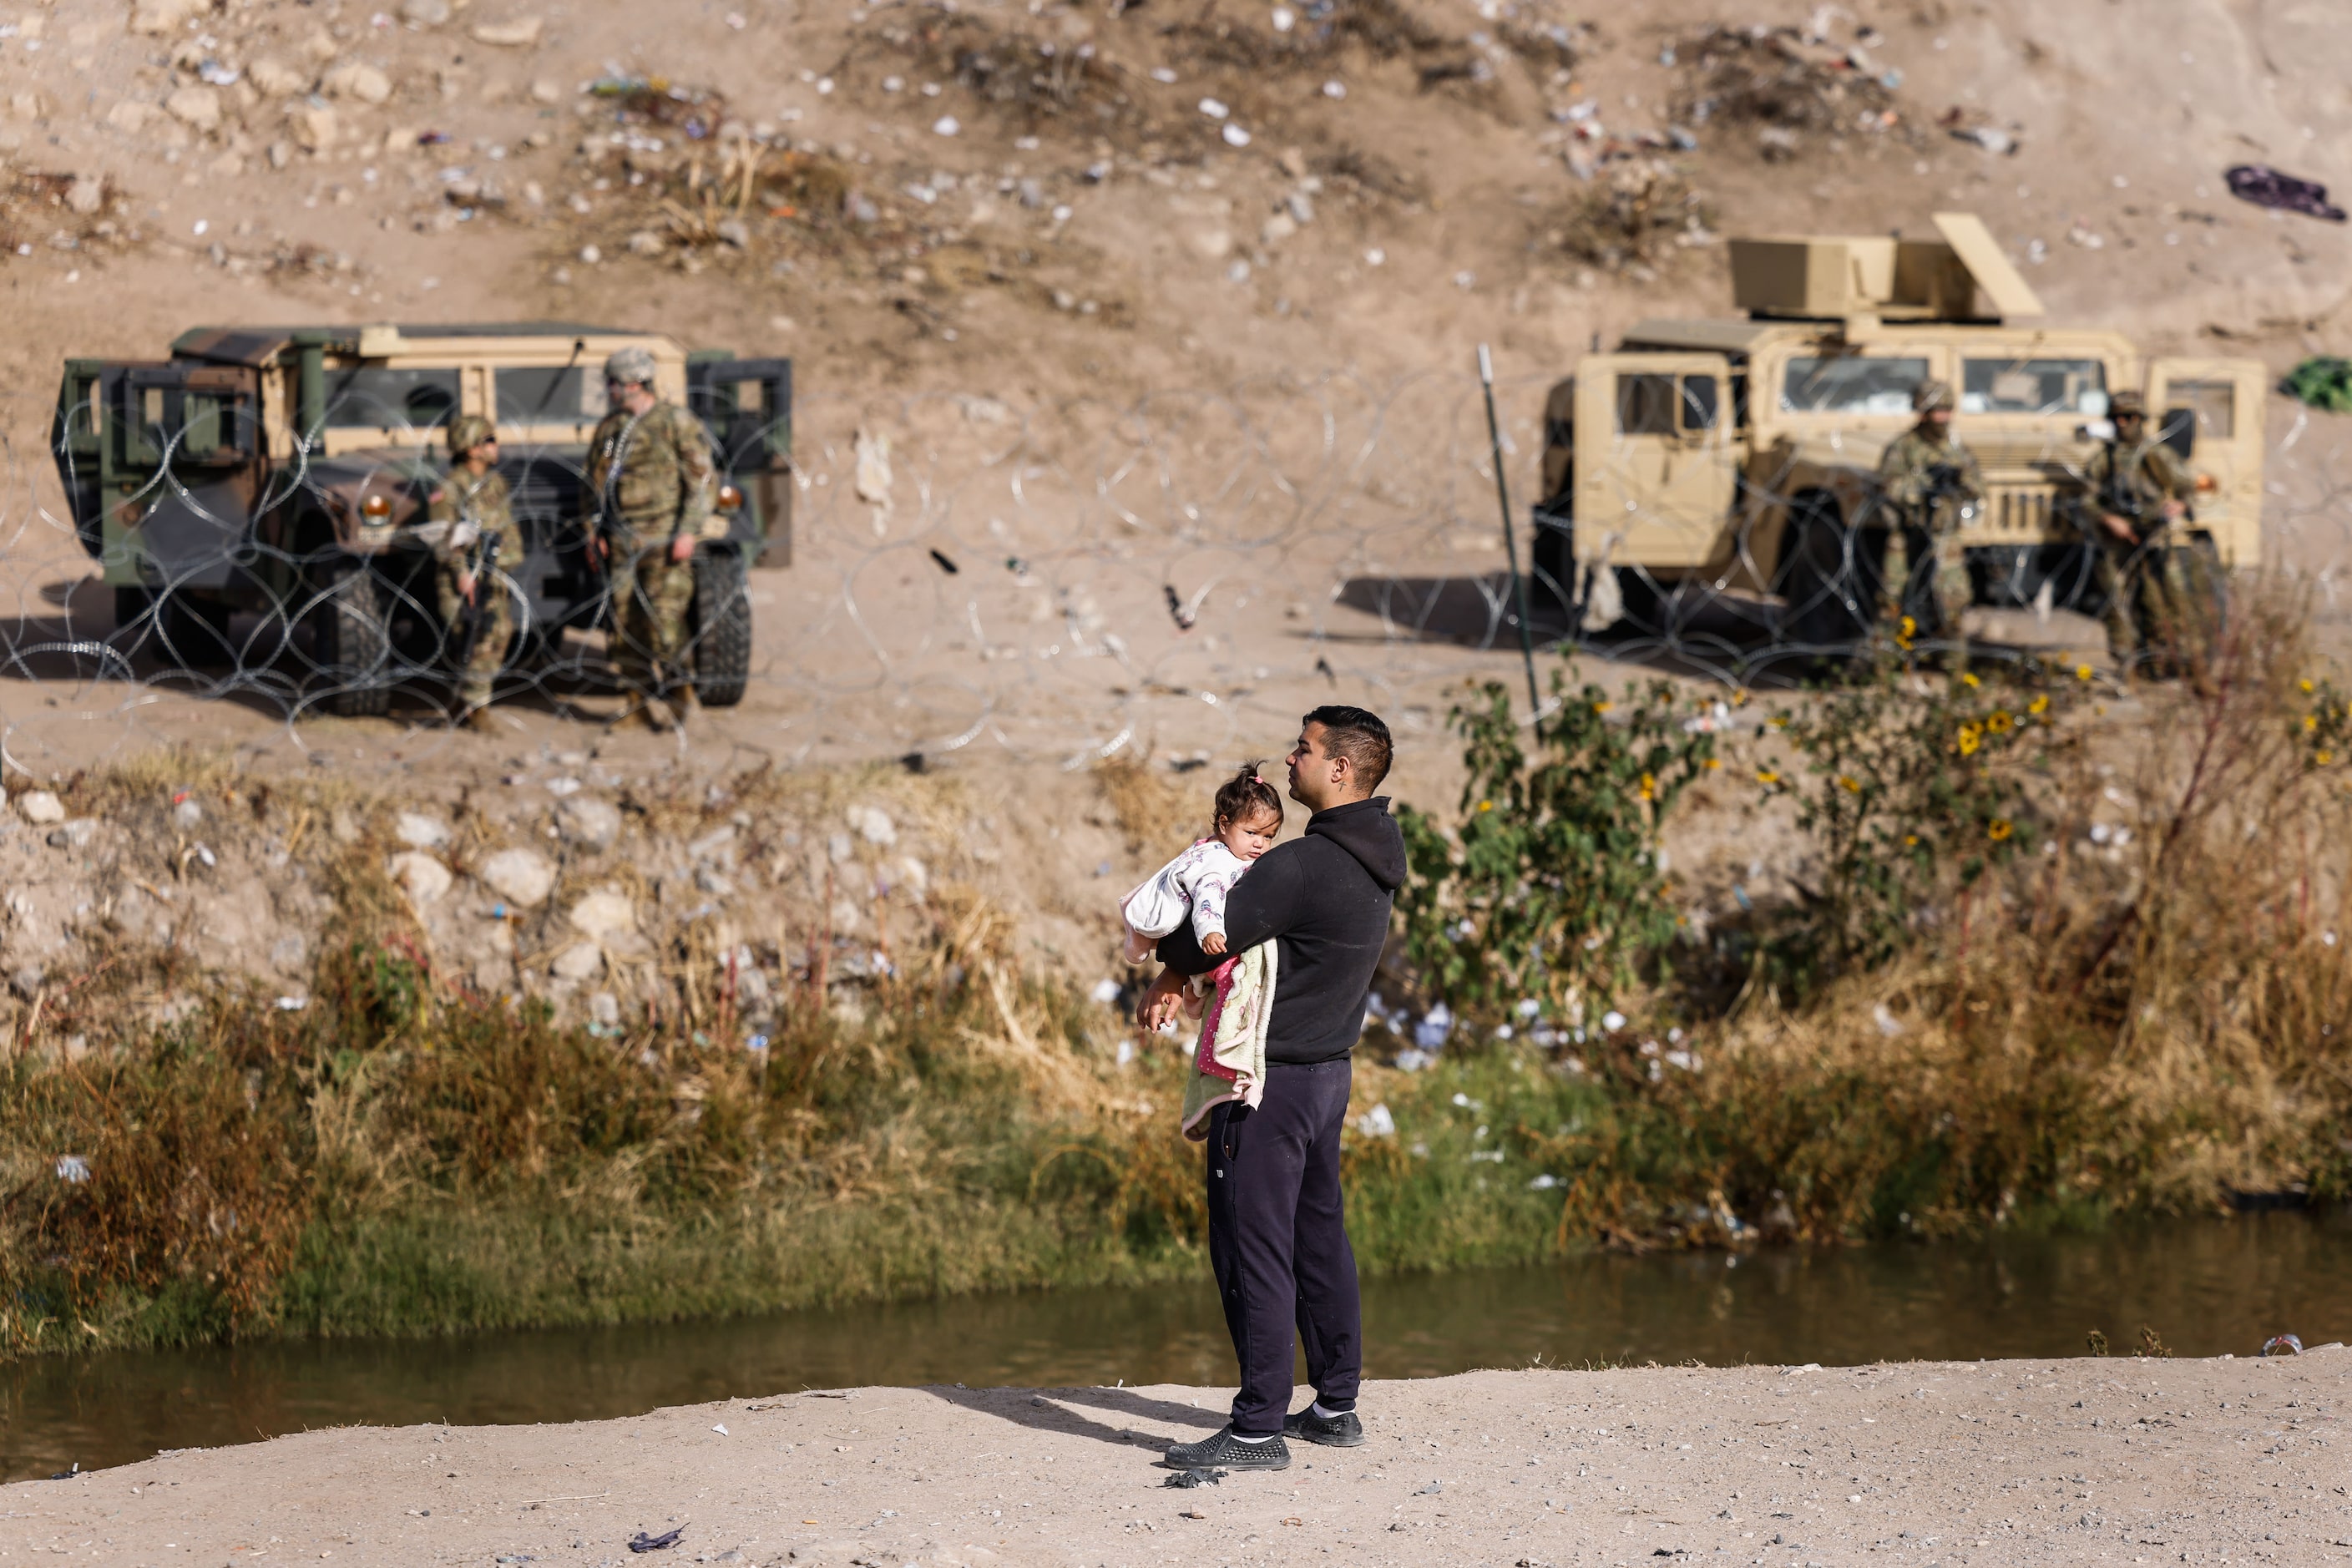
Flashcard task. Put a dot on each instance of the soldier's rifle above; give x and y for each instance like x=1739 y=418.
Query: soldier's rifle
x=475 y=612
x=1947 y=484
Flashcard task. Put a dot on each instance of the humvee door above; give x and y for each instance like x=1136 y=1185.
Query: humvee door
x=2210 y=411
x=747 y=407
x=1655 y=472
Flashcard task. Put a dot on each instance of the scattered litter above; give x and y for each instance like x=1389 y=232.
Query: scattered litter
x=1105 y=992
x=1186 y=1479
x=2266 y=187
x=1235 y=136
x=292 y=1003
x=1888 y=1024
x=1335 y=88
x=2283 y=1345
x=74 y=1170
x=945 y=125
x=1544 y=1182
x=1376 y=1123
x=1991 y=138
x=1214 y=108
x=1435 y=1026
x=2323 y=381
x=641 y=1542
x=1612 y=1020
x=721 y=1429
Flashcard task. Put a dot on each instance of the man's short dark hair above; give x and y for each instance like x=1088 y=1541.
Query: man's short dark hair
x=1357 y=735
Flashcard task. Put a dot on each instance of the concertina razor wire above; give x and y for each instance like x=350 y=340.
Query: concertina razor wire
x=1071 y=580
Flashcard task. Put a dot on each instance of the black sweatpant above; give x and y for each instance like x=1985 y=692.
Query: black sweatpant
x=1279 y=1241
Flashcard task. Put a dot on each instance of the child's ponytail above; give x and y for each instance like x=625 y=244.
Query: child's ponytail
x=1245 y=795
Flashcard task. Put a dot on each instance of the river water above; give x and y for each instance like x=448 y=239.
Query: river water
x=2207 y=1287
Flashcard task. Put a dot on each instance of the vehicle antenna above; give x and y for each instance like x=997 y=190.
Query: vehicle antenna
x=1510 y=542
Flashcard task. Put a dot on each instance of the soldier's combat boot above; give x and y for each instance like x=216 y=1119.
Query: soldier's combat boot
x=657 y=716
x=477 y=719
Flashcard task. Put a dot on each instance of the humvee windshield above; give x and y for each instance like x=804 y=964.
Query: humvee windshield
x=374 y=397
x=554 y=395
x=2050 y=387
x=1849 y=384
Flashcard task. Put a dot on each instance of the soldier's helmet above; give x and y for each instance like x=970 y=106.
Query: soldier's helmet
x=2127 y=403
x=469 y=431
x=1930 y=395
x=631 y=366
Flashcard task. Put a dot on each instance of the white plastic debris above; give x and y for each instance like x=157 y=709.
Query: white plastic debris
x=1214 y=108
x=1612 y=1020
x=1105 y=990
x=73 y=1169
x=1376 y=1123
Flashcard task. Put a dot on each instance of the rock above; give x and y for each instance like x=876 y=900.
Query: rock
x=590 y=255
x=312 y=125
x=602 y=913
x=873 y=824
x=523 y=33
x=157 y=16
x=712 y=842
x=424 y=13
x=644 y=242
x=276 y=78
x=75 y=834
x=187 y=814
x=1293 y=162
x=40 y=808
x=356 y=80
x=587 y=821
x=198 y=108
x=735 y=233
x=424 y=878
x=1211 y=244
x=581 y=961
x=287 y=953
x=280 y=154
x=520 y=877
x=604 y=1008
x=546 y=91
x=28 y=981
x=1277 y=229
x=129 y=116
x=27 y=105
x=419 y=832
x=85 y=197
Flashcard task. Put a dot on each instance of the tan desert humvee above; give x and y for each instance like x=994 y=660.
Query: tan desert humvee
x=1735 y=458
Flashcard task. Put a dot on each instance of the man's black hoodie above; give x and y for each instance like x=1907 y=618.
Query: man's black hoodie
x=1324 y=899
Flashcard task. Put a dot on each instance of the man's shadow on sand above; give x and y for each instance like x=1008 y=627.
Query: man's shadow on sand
x=1043 y=1410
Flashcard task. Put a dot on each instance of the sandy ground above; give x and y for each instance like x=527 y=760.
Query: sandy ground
x=2119 y=1460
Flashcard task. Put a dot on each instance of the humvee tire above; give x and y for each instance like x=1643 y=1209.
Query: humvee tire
x=720 y=628
x=352 y=642
x=189 y=634
x=1823 y=577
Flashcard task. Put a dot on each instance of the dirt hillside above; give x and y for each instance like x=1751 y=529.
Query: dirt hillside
x=1168 y=310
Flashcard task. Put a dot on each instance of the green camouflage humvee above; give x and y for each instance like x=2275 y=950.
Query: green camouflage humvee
x=284 y=472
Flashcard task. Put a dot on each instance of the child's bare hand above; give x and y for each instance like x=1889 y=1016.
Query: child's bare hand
x=1213 y=944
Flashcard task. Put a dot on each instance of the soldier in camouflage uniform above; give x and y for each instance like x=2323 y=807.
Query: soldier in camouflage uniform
x=474 y=504
x=2135 y=489
x=1928 y=482
x=653 y=484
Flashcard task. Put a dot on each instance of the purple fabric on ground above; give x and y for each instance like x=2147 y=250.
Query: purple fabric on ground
x=2265 y=186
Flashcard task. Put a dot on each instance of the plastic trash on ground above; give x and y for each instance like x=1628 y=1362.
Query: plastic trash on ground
x=2266 y=187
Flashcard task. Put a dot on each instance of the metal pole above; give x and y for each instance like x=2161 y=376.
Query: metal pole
x=1510 y=542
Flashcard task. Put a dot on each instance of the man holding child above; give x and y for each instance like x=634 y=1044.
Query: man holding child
x=1277 y=1232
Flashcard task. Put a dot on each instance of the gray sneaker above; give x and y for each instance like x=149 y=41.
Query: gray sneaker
x=1226 y=1452
x=1340 y=1431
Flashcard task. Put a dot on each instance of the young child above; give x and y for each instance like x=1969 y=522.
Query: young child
x=1248 y=818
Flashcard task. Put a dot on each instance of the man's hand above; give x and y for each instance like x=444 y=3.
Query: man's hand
x=2119 y=526
x=1162 y=1000
x=597 y=549
x=465 y=586
x=681 y=548
x=1213 y=944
